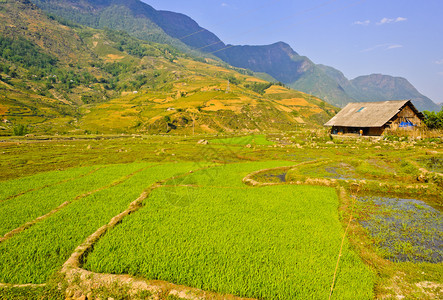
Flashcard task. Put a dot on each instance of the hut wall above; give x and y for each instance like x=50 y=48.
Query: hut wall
x=375 y=131
x=406 y=114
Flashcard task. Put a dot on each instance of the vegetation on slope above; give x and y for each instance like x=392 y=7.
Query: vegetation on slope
x=77 y=79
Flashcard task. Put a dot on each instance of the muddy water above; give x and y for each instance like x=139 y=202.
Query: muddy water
x=338 y=173
x=405 y=229
x=281 y=176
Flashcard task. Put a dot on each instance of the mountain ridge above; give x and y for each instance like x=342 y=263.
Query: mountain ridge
x=285 y=64
x=57 y=77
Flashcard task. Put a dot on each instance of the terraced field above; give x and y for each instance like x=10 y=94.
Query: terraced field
x=34 y=254
x=264 y=229
x=205 y=230
x=238 y=240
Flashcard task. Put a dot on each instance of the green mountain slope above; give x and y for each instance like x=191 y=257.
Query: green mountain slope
x=68 y=78
x=132 y=16
x=315 y=81
x=277 y=60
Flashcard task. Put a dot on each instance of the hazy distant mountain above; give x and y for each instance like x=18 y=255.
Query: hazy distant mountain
x=278 y=60
x=380 y=87
x=317 y=81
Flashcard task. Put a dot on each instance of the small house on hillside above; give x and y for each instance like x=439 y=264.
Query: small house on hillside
x=372 y=118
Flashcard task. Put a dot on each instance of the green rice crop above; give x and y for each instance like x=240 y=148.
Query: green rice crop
x=14 y=187
x=33 y=255
x=229 y=175
x=279 y=242
x=244 y=140
x=31 y=293
x=17 y=211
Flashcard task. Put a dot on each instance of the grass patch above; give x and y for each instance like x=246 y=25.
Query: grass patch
x=385 y=165
x=244 y=140
x=31 y=293
x=17 y=211
x=14 y=187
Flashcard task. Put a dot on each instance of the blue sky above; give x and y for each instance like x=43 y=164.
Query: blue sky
x=358 y=37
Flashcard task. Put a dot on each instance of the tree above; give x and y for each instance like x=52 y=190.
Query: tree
x=434 y=120
x=20 y=130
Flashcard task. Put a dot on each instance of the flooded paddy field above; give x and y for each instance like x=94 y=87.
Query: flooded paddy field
x=404 y=229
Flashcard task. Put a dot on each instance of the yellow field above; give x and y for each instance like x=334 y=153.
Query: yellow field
x=3 y=109
x=114 y=57
x=275 y=89
x=295 y=102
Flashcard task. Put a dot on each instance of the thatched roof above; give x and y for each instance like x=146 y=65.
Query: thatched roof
x=369 y=114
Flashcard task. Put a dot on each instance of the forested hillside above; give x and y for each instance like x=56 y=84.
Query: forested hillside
x=59 y=77
x=277 y=60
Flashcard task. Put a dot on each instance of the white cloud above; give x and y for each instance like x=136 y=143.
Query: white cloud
x=364 y=23
x=373 y=48
x=388 y=20
x=224 y=4
x=394 y=46
x=439 y=62
x=387 y=46
x=385 y=21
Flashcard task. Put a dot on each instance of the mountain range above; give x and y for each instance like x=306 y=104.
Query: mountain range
x=278 y=61
x=60 y=77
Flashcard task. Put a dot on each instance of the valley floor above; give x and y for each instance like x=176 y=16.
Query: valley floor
x=269 y=216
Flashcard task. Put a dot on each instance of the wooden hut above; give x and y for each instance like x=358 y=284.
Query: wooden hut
x=372 y=118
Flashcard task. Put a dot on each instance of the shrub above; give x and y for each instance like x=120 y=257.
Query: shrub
x=434 y=120
x=20 y=130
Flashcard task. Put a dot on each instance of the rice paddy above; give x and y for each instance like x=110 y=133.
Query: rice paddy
x=405 y=229
x=202 y=227
x=244 y=140
x=33 y=255
x=24 y=208
x=240 y=241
